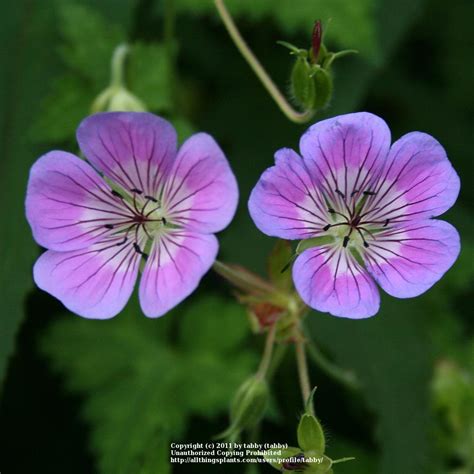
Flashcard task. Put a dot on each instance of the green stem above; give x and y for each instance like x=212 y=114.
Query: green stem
x=267 y=352
x=346 y=377
x=118 y=65
x=277 y=358
x=303 y=369
x=254 y=63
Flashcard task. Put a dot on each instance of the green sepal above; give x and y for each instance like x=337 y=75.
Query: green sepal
x=340 y=460
x=302 y=84
x=310 y=435
x=247 y=407
x=249 y=403
x=294 y=49
x=323 y=86
x=279 y=257
x=309 y=402
x=323 y=52
x=313 y=242
x=285 y=453
x=324 y=467
x=331 y=57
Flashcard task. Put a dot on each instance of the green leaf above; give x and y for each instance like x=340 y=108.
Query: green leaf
x=62 y=110
x=139 y=388
x=89 y=41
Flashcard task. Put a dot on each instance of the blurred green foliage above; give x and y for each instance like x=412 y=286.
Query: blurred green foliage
x=144 y=383
x=144 y=379
x=87 y=44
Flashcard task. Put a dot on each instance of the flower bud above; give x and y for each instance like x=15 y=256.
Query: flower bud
x=247 y=407
x=311 y=435
x=311 y=85
x=117 y=99
x=249 y=403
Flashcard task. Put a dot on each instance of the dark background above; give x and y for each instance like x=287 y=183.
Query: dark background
x=75 y=395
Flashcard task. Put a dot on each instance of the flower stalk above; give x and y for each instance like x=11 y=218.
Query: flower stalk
x=259 y=70
x=118 y=65
x=303 y=372
x=116 y=97
x=267 y=352
x=344 y=376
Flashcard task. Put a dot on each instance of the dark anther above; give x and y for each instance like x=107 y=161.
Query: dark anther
x=386 y=223
x=151 y=198
x=345 y=241
x=354 y=192
x=122 y=241
x=109 y=226
x=327 y=227
x=116 y=193
x=340 y=193
x=164 y=220
x=331 y=210
x=369 y=193
x=135 y=190
x=139 y=250
x=365 y=244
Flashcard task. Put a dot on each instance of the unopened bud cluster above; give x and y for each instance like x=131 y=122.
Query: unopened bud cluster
x=311 y=78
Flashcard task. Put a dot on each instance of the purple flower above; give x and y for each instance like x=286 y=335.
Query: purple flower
x=154 y=203
x=368 y=207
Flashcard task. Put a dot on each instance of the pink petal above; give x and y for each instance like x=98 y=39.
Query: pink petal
x=329 y=279
x=133 y=149
x=94 y=283
x=285 y=202
x=346 y=152
x=417 y=181
x=174 y=269
x=201 y=192
x=68 y=203
x=408 y=260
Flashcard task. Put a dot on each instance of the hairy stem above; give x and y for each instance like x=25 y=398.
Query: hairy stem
x=267 y=352
x=254 y=63
x=346 y=377
x=303 y=369
x=277 y=358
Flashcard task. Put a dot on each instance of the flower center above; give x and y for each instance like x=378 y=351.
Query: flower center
x=349 y=223
x=146 y=220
